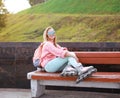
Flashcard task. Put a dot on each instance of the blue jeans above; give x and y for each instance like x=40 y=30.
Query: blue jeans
x=58 y=64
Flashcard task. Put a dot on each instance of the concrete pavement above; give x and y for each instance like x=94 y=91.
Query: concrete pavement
x=25 y=93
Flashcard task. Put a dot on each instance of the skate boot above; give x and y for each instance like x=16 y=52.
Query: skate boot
x=69 y=71
x=89 y=71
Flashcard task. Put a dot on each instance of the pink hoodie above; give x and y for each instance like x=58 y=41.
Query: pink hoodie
x=49 y=52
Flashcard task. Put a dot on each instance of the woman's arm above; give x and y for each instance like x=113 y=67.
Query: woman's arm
x=55 y=50
x=64 y=48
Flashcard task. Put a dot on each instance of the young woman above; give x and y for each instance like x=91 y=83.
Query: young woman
x=55 y=58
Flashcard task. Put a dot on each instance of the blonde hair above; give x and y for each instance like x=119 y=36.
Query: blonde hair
x=46 y=37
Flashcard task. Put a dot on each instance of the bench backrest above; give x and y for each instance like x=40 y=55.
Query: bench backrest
x=99 y=57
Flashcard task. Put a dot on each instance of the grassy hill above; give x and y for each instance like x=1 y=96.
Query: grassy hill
x=77 y=7
x=99 y=23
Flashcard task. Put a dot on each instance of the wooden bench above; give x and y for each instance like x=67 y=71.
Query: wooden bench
x=110 y=80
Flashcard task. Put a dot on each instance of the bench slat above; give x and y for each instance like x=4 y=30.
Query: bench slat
x=99 y=57
x=98 y=54
x=96 y=77
x=99 y=60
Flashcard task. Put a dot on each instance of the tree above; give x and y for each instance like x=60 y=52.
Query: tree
x=3 y=14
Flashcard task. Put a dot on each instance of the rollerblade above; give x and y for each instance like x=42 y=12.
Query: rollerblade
x=88 y=73
x=69 y=71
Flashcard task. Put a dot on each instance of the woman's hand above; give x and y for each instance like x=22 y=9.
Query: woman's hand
x=64 y=48
x=71 y=54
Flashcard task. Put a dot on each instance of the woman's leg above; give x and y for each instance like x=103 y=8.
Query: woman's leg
x=55 y=65
x=78 y=66
x=72 y=61
x=58 y=64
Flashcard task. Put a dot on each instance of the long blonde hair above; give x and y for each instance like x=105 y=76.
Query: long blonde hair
x=46 y=37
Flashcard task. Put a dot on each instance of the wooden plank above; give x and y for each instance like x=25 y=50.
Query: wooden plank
x=96 y=77
x=99 y=57
x=98 y=54
x=99 y=60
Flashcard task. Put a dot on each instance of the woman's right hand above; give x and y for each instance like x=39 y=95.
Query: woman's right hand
x=71 y=54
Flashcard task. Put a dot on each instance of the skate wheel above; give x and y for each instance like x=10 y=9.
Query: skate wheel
x=80 y=78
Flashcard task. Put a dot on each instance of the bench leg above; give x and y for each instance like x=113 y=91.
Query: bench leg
x=36 y=89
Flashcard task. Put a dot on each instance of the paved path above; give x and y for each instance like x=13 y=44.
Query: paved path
x=25 y=93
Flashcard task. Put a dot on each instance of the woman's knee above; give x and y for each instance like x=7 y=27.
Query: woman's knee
x=71 y=58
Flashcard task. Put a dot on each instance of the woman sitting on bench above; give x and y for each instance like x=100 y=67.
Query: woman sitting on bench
x=55 y=58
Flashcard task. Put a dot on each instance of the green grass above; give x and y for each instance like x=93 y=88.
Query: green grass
x=69 y=27
x=73 y=20
x=77 y=7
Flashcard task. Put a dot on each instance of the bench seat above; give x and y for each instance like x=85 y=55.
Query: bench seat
x=39 y=80
x=96 y=77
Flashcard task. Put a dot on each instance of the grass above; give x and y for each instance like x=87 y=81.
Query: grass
x=77 y=7
x=74 y=20
x=69 y=27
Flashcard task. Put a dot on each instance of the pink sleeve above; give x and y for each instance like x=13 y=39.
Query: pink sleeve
x=64 y=48
x=56 y=51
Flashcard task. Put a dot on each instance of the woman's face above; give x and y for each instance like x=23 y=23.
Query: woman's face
x=51 y=34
